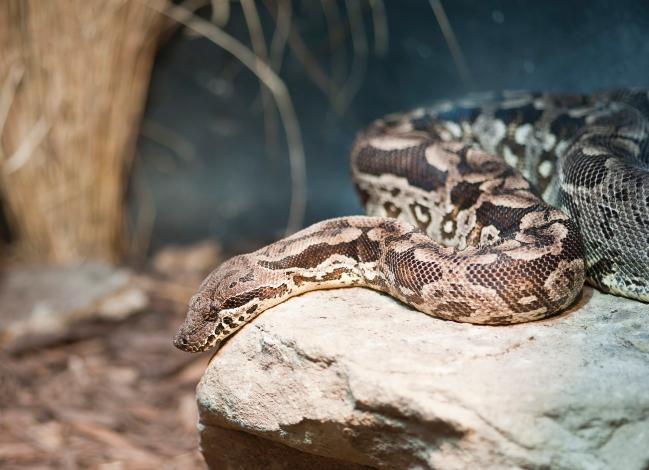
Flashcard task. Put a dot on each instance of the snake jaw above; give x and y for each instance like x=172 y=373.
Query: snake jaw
x=194 y=335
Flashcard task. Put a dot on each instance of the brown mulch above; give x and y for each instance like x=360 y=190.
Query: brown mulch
x=105 y=396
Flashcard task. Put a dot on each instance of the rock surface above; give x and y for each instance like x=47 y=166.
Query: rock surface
x=46 y=300
x=353 y=379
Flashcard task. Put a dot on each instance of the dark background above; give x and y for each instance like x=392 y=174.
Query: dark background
x=224 y=182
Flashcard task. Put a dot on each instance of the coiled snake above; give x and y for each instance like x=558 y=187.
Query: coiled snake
x=463 y=224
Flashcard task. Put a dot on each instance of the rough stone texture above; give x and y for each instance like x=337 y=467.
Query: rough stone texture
x=45 y=300
x=356 y=377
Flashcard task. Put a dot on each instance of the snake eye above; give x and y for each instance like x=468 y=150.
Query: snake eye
x=215 y=308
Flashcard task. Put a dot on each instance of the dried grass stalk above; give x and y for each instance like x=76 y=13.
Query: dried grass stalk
x=275 y=85
x=69 y=135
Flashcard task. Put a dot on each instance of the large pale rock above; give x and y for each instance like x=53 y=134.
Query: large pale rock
x=351 y=378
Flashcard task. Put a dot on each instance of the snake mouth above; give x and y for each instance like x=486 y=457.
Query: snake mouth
x=192 y=336
x=182 y=343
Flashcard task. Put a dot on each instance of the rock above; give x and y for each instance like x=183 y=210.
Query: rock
x=351 y=379
x=195 y=260
x=46 y=300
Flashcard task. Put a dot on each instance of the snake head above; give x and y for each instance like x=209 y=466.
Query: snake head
x=223 y=303
x=195 y=334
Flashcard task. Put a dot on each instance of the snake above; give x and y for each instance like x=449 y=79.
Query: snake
x=491 y=209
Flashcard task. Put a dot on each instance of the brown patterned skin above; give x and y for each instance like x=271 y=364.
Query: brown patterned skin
x=458 y=232
x=519 y=259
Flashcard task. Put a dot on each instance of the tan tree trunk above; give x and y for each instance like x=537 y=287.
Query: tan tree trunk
x=73 y=82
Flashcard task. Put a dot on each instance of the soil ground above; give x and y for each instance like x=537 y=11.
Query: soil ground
x=105 y=395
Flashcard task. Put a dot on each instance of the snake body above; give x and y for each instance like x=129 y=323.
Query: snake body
x=493 y=209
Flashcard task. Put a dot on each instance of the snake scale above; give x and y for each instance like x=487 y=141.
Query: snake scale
x=492 y=209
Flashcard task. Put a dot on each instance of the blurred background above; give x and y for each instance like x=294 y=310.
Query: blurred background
x=232 y=183
x=144 y=141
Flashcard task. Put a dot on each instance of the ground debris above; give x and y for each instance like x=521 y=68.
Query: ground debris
x=103 y=395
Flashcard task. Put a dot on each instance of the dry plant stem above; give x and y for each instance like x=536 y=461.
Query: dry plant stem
x=259 y=48
x=274 y=84
x=380 y=25
x=453 y=44
x=7 y=94
x=337 y=50
x=220 y=12
x=168 y=138
x=69 y=135
x=192 y=5
x=27 y=147
x=302 y=53
x=359 y=66
x=283 y=19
